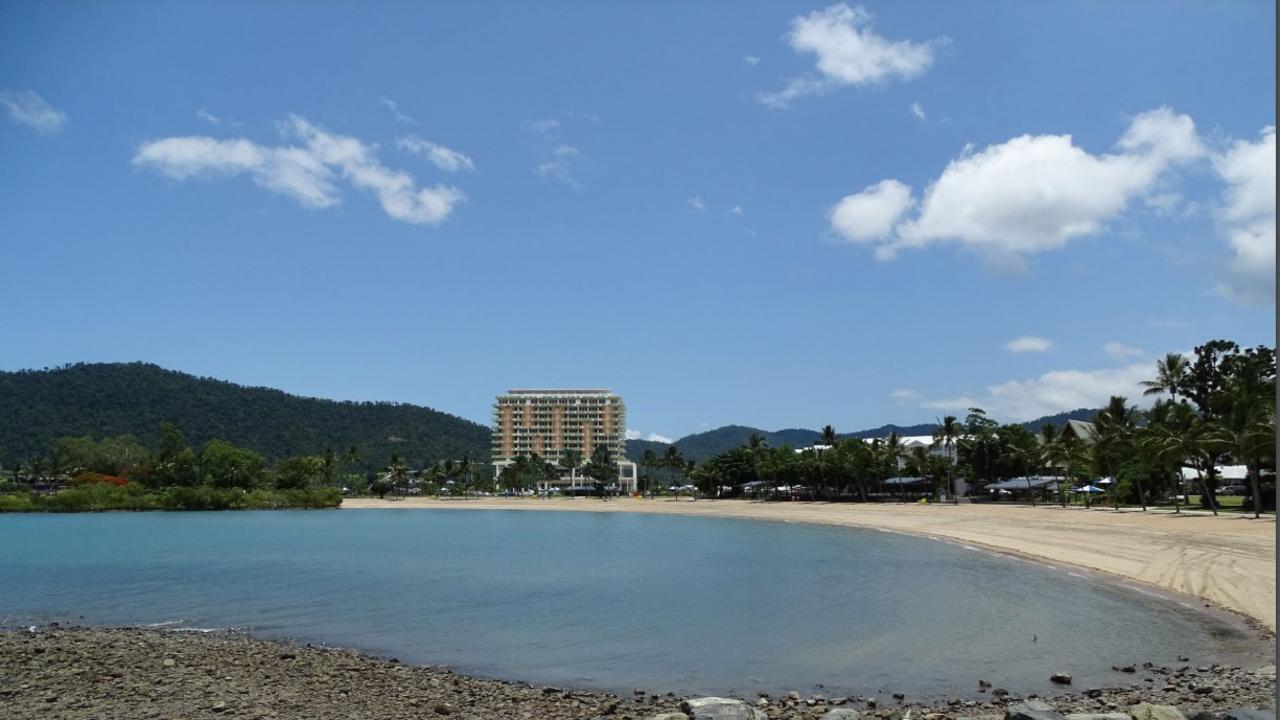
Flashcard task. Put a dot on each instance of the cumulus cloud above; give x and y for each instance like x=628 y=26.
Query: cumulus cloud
x=1119 y=351
x=918 y=110
x=1053 y=392
x=1248 y=217
x=655 y=437
x=1035 y=193
x=208 y=117
x=870 y=216
x=446 y=159
x=735 y=211
x=906 y=396
x=1029 y=343
x=696 y=204
x=306 y=172
x=848 y=52
x=751 y=60
x=27 y=108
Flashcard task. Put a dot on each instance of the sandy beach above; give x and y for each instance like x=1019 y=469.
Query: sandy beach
x=1227 y=561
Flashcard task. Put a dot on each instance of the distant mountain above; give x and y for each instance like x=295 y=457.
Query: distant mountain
x=39 y=406
x=703 y=445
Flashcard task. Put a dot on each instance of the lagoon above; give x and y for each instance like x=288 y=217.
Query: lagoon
x=608 y=601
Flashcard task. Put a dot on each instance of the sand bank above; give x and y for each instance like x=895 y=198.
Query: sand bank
x=1228 y=561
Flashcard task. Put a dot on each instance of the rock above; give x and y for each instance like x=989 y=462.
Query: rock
x=1147 y=711
x=169 y=662
x=1032 y=710
x=670 y=716
x=1060 y=678
x=1245 y=714
x=717 y=708
x=1202 y=689
x=219 y=707
x=1097 y=716
x=842 y=714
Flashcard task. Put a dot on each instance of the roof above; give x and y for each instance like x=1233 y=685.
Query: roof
x=1081 y=429
x=1021 y=483
x=1226 y=472
x=906 y=481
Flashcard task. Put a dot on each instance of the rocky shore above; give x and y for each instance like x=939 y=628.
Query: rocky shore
x=126 y=673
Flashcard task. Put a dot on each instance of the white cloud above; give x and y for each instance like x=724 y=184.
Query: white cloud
x=1053 y=392
x=848 y=53
x=751 y=60
x=1029 y=343
x=208 y=117
x=394 y=107
x=541 y=126
x=870 y=215
x=1035 y=193
x=655 y=437
x=27 y=108
x=446 y=159
x=1248 y=217
x=306 y=173
x=696 y=204
x=906 y=396
x=558 y=165
x=918 y=110
x=735 y=211
x=1119 y=351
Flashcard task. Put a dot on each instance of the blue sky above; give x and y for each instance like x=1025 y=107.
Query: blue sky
x=776 y=214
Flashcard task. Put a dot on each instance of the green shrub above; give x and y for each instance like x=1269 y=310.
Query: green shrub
x=17 y=502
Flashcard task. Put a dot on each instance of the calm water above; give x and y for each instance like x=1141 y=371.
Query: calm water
x=612 y=601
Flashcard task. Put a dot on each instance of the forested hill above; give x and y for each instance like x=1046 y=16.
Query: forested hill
x=39 y=406
x=701 y=446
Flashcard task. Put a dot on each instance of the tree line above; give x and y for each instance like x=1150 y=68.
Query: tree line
x=1215 y=408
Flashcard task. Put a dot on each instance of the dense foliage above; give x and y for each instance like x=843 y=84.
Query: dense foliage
x=131 y=399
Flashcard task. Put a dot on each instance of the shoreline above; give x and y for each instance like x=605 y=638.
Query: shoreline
x=1227 y=563
x=131 y=672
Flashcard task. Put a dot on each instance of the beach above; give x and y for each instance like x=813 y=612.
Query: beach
x=1228 y=562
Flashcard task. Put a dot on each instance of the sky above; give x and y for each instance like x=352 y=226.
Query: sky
x=762 y=213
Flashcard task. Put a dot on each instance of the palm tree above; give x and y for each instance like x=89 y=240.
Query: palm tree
x=649 y=461
x=398 y=473
x=673 y=460
x=892 y=450
x=571 y=460
x=1114 y=426
x=1172 y=376
x=947 y=433
x=828 y=436
x=1026 y=451
x=1248 y=433
x=1182 y=438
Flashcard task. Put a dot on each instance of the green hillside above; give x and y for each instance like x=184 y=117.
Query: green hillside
x=39 y=406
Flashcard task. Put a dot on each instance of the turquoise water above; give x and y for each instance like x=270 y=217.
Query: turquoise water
x=609 y=601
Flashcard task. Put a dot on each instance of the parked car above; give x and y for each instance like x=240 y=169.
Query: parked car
x=1234 y=489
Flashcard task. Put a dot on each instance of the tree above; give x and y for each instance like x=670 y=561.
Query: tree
x=1172 y=377
x=571 y=460
x=1182 y=439
x=301 y=472
x=828 y=436
x=227 y=466
x=891 y=454
x=1114 y=427
x=398 y=474
x=947 y=433
x=1247 y=432
x=601 y=468
x=648 y=461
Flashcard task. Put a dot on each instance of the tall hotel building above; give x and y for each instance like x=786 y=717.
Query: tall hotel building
x=548 y=422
